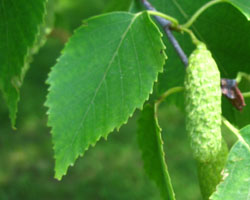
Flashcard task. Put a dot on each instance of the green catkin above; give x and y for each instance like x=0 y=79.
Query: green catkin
x=203 y=104
x=209 y=173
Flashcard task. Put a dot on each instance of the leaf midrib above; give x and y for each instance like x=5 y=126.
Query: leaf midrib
x=101 y=82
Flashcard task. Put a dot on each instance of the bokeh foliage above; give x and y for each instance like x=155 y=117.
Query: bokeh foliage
x=111 y=170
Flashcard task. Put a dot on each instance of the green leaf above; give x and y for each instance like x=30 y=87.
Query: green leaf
x=121 y=5
x=151 y=145
x=19 y=28
x=106 y=71
x=236 y=175
x=45 y=28
x=222 y=28
x=243 y=6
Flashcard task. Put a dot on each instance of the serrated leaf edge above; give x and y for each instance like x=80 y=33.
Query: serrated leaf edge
x=225 y=172
x=59 y=177
x=25 y=66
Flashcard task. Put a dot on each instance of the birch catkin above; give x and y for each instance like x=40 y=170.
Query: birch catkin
x=203 y=104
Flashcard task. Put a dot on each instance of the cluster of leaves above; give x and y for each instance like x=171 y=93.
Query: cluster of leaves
x=108 y=69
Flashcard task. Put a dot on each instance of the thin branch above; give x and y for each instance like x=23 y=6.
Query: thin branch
x=166 y=24
x=177 y=47
x=163 y=22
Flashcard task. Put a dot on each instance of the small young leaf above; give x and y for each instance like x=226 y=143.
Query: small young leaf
x=236 y=175
x=19 y=28
x=151 y=145
x=106 y=71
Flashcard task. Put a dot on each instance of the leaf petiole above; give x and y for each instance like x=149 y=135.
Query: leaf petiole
x=235 y=131
x=200 y=11
x=192 y=35
x=168 y=93
x=241 y=75
x=167 y=17
x=246 y=94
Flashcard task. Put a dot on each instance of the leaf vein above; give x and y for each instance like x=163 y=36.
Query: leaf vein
x=100 y=83
x=138 y=64
x=121 y=85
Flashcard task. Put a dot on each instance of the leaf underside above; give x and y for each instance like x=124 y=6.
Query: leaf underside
x=19 y=28
x=236 y=175
x=151 y=145
x=106 y=71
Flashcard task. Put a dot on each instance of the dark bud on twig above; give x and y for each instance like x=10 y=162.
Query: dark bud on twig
x=230 y=89
x=166 y=25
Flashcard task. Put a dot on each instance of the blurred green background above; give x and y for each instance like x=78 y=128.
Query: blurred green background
x=113 y=170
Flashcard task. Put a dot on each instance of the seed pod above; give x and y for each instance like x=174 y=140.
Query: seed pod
x=210 y=173
x=203 y=104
